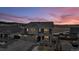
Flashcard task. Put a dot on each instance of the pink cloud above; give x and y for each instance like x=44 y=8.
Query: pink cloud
x=66 y=20
x=66 y=16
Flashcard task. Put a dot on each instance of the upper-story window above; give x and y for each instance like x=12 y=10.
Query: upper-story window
x=46 y=30
x=39 y=30
x=30 y=29
x=33 y=29
x=50 y=31
x=27 y=30
x=43 y=30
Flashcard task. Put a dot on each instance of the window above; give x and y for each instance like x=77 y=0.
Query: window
x=30 y=29
x=27 y=29
x=42 y=30
x=50 y=31
x=46 y=37
x=46 y=30
x=39 y=30
x=33 y=29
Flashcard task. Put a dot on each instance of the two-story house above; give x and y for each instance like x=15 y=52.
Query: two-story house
x=40 y=31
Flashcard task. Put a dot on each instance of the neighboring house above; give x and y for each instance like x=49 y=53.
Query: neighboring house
x=7 y=29
x=61 y=28
x=74 y=31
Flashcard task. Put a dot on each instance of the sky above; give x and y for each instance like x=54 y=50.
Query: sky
x=58 y=15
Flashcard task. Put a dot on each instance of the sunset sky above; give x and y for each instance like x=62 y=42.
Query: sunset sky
x=58 y=15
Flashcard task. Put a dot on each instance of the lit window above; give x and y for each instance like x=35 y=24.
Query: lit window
x=27 y=29
x=39 y=30
x=33 y=29
x=46 y=37
x=46 y=30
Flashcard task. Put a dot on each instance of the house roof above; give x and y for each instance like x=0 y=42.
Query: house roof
x=41 y=24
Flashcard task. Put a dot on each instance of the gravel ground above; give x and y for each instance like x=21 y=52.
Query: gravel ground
x=19 y=45
x=67 y=46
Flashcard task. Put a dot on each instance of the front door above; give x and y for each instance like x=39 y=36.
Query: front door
x=38 y=39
